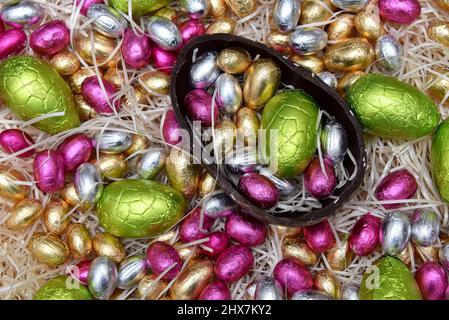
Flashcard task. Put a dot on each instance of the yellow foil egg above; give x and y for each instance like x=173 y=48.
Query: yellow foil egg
x=23 y=214
x=343 y=28
x=191 y=252
x=155 y=83
x=65 y=62
x=222 y=25
x=135 y=97
x=79 y=241
x=279 y=41
x=439 y=87
x=347 y=80
x=242 y=8
x=326 y=282
x=439 y=32
x=138 y=143
x=217 y=8
x=168 y=13
x=68 y=193
x=102 y=48
x=76 y=79
x=368 y=22
x=444 y=4
x=248 y=124
x=312 y=63
x=294 y=248
x=55 y=216
x=182 y=173
x=10 y=184
x=105 y=244
x=85 y=111
x=315 y=11
x=224 y=138
x=340 y=257
x=111 y=166
x=286 y=232
x=113 y=76
x=234 y=60
x=150 y=288
x=192 y=280
x=349 y=55
x=48 y=249
x=207 y=184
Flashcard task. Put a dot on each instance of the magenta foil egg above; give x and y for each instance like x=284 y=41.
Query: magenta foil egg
x=12 y=42
x=192 y=228
x=217 y=243
x=319 y=184
x=199 y=107
x=81 y=271
x=233 y=263
x=95 y=97
x=161 y=256
x=2 y=26
x=364 y=236
x=171 y=130
x=163 y=60
x=259 y=190
x=399 y=185
x=48 y=170
x=400 y=11
x=136 y=49
x=86 y=4
x=246 y=230
x=190 y=29
x=50 y=38
x=432 y=281
x=292 y=276
x=15 y=140
x=319 y=237
x=75 y=150
x=216 y=290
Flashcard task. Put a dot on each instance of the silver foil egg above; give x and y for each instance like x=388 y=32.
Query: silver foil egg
x=308 y=40
x=164 y=33
x=286 y=187
x=217 y=205
x=88 y=183
x=425 y=227
x=151 y=163
x=389 y=53
x=350 y=5
x=444 y=255
x=204 y=70
x=328 y=78
x=228 y=93
x=334 y=141
x=102 y=278
x=268 y=289
x=311 y=295
x=395 y=233
x=131 y=271
x=350 y=292
x=22 y=13
x=196 y=9
x=242 y=160
x=110 y=141
x=286 y=14
x=107 y=20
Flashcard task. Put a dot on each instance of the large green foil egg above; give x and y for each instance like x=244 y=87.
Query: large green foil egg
x=389 y=108
x=389 y=279
x=290 y=120
x=439 y=159
x=32 y=88
x=139 y=7
x=139 y=208
x=59 y=288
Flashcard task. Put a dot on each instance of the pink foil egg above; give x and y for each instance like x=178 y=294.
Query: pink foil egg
x=233 y=263
x=199 y=107
x=171 y=130
x=190 y=29
x=75 y=150
x=136 y=49
x=2 y=26
x=94 y=96
x=245 y=230
x=50 y=38
x=192 y=228
x=292 y=276
x=81 y=271
x=216 y=290
x=398 y=185
x=12 y=42
x=161 y=256
x=319 y=237
x=48 y=167
x=259 y=190
x=319 y=184
x=163 y=60
x=364 y=236
x=86 y=4
x=218 y=242
x=15 y=140
x=400 y=11
x=432 y=281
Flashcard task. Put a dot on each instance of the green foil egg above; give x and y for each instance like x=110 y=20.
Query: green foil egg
x=390 y=281
x=439 y=160
x=290 y=120
x=139 y=208
x=59 y=288
x=389 y=108
x=31 y=88
x=139 y=7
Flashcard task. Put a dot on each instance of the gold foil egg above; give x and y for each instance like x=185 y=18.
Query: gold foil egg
x=312 y=63
x=248 y=124
x=191 y=252
x=76 y=79
x=48 y=249
x=182 y=173
x=294 y=248
x=349 y=55
x=10 y=184
x=234 y=60
x=168 y=237
x=105 y=244
x=111 y=166
x=79 y=241
x=207 y=184
x=439 y=87
x=23 y=214
x=218 y=8
x=150 y=288
x=444 y=4
x=326 y=282
x=102 y=48
x=286 y=232
x=406 y=255
x=424 y=254
x=85 y=111
x=279 y=41
x=368 y=22
x=69 y=195
x=136 y=96
x=347 y=80
x=155 y=82
x=168 y=13
x=242 y=8
x=224 y=138
x=315 y=11
x=65 y=62
x=139 y=143
x=55 y=216
x=340 y=256
x=192 y=280
x=113 y=76
x=439 y=32
x=222 y=25
x=343 y=28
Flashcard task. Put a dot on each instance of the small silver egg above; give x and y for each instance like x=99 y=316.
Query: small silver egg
x=204 y=70
x=131 y=271
x=242 y=160
x=151 y=163
x=350 y=5
x=425 y=227
x=228 y=93
x=334 y=141
x=328 y=78
x=308 y=40
x=286 y=14
x=164 y=33
x=268 y=289
x=102 y=278
x=217 y=205
x=444 y=255
x=107 y=20
x=88 y=183
x=113 y=142
x=196 y=9
x=311 y=295
x=22 y=13
x=389 y=53
x=395 y=233
x=287 y=187
x=350 y=292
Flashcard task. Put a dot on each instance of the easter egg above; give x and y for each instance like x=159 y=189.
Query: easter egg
x=59 y=288
x=440 y=160
x=139 y=7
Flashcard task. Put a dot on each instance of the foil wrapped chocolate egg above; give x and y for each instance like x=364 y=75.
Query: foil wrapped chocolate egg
x=163 y=258
x=242 y=160
x=155 y=82
x=111 y=166
x=313 y=11
x=334 y=141
x=395 y=233
x=215 y=290
x=88 y=183
x=233 y=263
x=80 y=271
x=443 y=4
x=312 y=63
x=218 y=8
x=79 y=241
x=139 y=8
x=349 y=55
x=68 y=194
x=319 y=237
x=75 y=150
x=310 y=295
x=190 y=29
x=102 y=278
x=57 y=289
x=268 y=288
x=228 y=93
x=350 y=5
x=259 y=190
x=110 y=141
x=286 y=14
x=48 y=249
x=136 y=49
x=130 y=271
x=308 y=40
x=50 y=38
x=223 y=138
x=242 y=8
x=286 y=187
x=23 y=214
x=171 y=130
x=217 y=243
x=182 y=173
x=279 y=41
x=294 y=248
x=364 y=236
x=150 y=288
x=326 y=282
x=218 y=205
x=164 y=33
x=340 y=256
x=139 y=143
x=76 y=80
x=163 y=60
x=48 y=169
x=107 y=245
x=341 y=29
x=318 y=183
x=15 y=140
x=192 y=280
x=385 y=117
x=196 y=9
x=204 y=71
x=247 y=123
x=139 y=208
x=101 y=101
x=389 y=53
x=292 y=276
x=22 y=13
x=55 y=216
x=350 y=292
x=222 y=25
x=439 y=159
x=12 y=42
x=107 y=20
x=425 y=227
x=329 y=79
x=199 y=107
x=368 y=22
x=439 y=32
x=207 y=185
x=397 y=185
x=400 y=11
x=95 y=46
x=10 y=186
x=432 y=281
x=245 y=230
x=151 y=163
x=234 y=60
x=195 y=226
x=347 y=81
